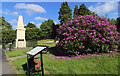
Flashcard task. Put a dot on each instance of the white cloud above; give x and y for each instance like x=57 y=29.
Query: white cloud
x=33 y=7
x=32 y=22
x=40 y=18
x=105 y=8
x=55 y=22
x=14 y=13
x=7 y=12
x=38 y=25
x=0 y=11
x=116 y=13
x=98 y=3
x=25 y=25
x=13 y=21
x=29 y=12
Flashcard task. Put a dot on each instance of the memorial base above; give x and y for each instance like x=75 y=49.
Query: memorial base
x=20 y=43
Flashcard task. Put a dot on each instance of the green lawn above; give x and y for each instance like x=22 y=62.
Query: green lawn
x=1 y=46
x=47 y=44
x=16 y=53
x=20 y=52
x=92 y=65
x=40 y=41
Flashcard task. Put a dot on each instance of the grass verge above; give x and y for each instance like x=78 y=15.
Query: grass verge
x=15 y=53
x=93 y=65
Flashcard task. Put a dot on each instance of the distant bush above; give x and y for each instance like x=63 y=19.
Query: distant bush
x=33 y=34
x=88 y=33
x=31 y=43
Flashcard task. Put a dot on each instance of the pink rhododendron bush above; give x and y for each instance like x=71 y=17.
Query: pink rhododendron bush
x=87 y=33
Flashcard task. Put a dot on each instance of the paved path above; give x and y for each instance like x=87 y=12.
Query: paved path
x=6 y=67
x=17 y=57
x=50 y=42
x=0 y=62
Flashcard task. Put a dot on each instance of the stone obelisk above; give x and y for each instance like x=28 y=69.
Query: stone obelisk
x=20 y=34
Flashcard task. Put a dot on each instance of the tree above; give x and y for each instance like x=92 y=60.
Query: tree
x=75 y=11
x=118 y=24
x=4 y=25
x=54 y=32
x=8 y=36
x=30 y=25
x=65 y=13
x=83 y=10
x=33 y=34
x=113 y=21
x=93 y=13
x=47 y=28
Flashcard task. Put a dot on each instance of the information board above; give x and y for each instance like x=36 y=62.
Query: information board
x=35 y=50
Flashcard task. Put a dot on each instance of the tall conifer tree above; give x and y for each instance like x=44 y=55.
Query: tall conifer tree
x=65 y=12
x=83 y=10
x=75 y=11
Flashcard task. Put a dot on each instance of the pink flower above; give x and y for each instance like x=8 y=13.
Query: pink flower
x=111 y=37
x=65 y=42
x=53 y=57
x=87 y=29
x=63 y=33
x=98 y=23
x=90 y=33
x=93 y=36
x=103 y=38
x=56 y=43
x=75 y=37
x=94 y=32
x=111 y=32
x=83 y=38
x=58 y=57
x=77 y=23
x=79 y=47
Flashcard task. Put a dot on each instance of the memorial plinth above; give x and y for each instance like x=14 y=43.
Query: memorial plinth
x=20 y=34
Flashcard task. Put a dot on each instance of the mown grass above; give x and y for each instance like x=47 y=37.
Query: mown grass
x=40 y=41
x=15 y=53
x=93 y=65
x=1 y=46
x=20 y=52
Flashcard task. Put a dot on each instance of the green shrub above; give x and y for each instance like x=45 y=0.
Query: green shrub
x=88 y=33
x=31 y=43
